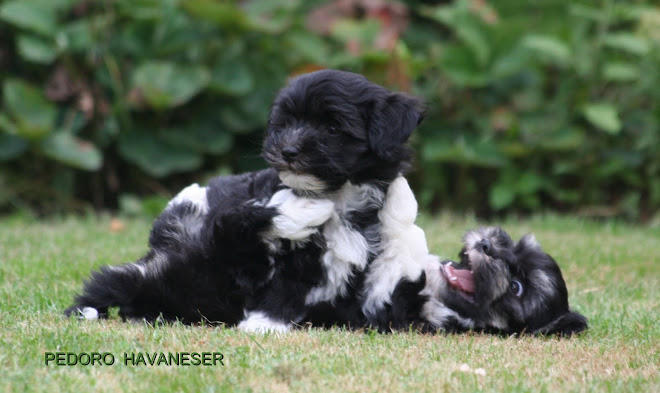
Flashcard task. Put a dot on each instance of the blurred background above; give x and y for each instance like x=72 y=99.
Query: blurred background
x=539 y=105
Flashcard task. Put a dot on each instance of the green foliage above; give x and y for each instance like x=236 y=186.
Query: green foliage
x=531 y=105
x=542 y=105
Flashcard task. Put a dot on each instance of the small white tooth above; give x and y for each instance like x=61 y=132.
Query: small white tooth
x=454 y=278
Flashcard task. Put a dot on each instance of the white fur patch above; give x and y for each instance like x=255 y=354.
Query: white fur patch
x=259 y=322
x=403 y=247
x=348 y=249
x=302 y=181
x=89 y=313
x=193 y=193
x=299 y=217
x=187 y=226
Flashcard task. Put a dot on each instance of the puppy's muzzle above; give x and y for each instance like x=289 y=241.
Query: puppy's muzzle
x=484 y=246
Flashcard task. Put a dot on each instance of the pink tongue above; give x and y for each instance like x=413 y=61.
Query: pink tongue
x=460 y=278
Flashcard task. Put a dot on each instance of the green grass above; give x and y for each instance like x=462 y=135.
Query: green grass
x=611 y=269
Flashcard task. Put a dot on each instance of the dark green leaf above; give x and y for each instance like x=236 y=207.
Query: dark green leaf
x=501 y=196
x=235 y=119
x=270 y=16
x=564 y=139
x=79 y=35
x=36 y=49
x=620 y=72
x=627 y=42
x=549 y=48
x=226 y=15
x=476 y=40
x=200 y=138
x=145 y=9
x=461 y=151
x=308 y=46
x=165 y=84
x=32 y=115
x=528 y=183
x=511 y=63
x=31 y=15
x=154 y=156
x=6 y=125
x=604 y=116
x=460 y=67
x=232 y=76
x=69 y=150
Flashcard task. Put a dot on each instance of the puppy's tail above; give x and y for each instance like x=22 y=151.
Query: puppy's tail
x=112 y=286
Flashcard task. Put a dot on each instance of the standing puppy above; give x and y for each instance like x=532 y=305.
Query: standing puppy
x=330 y=224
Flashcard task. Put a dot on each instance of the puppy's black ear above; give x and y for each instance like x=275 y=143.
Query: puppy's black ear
x=391 y=122
x=566 y=325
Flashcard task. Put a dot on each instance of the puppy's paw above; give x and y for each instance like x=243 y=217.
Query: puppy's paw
x=88 y=313
x=258 y=322
x=299 y=216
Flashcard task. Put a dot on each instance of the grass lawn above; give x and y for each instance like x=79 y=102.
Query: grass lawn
x=612 y=271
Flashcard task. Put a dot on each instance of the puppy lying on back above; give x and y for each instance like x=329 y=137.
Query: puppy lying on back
x=499 y=286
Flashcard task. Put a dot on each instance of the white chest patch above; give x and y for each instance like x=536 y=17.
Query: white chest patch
x=403 y=249
x=298 y=217
x=302 y=182
x=348 y=249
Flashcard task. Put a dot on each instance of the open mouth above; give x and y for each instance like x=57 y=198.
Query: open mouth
x=462 y=280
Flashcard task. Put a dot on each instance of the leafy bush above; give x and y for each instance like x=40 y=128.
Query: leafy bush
x=544 y=105
x=531 y=105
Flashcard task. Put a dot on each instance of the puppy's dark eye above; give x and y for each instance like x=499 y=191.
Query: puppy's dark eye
x=332 y=130
x=516 y=288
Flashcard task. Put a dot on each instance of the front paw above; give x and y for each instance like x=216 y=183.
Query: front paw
x=259 y=322
x=299 y=217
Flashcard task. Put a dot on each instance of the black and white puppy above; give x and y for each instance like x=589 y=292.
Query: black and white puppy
x=499 y=286
x=331 y=223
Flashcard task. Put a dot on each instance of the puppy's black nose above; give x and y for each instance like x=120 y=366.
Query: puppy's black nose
x=290 y=153
x=485 y=246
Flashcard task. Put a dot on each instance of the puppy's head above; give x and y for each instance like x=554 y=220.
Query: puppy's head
x=509 y=287
x=329 y=127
